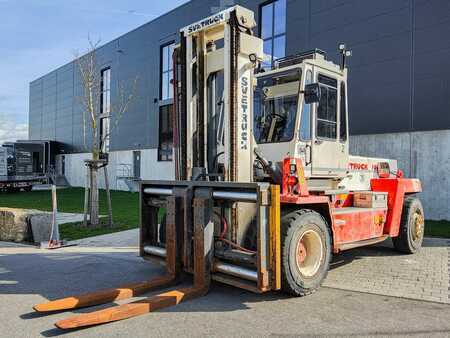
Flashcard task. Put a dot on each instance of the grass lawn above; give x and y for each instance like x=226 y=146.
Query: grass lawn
x=125 y=209
x=437 y=228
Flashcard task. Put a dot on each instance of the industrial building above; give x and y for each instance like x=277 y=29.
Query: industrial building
x=399 y=86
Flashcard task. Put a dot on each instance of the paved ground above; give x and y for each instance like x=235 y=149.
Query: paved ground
x=377 y=269
x=129 y=238
x=41 y=187
x=67 y=217
x=29 y=276
x=381 y=270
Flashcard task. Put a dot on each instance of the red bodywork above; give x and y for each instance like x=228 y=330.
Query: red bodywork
x=355 y=225
x=349 y=224
x=396 y=189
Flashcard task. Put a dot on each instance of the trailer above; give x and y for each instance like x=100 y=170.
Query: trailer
x=266 y=190
x=24 y=164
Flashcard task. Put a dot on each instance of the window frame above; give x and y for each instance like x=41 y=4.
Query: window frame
x=105 y=144
x=103 y=90
x=343 y=104
x=295 y=132
x=311 y=109
x=317 y=109
x=163 y=135
x=272 y=36
x=163 y=72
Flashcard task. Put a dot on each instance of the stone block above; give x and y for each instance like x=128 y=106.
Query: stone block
x=17 y=224
x=41 y=226
x=14 y=225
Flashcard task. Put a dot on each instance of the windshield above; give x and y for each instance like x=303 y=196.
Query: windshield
x=275 y=108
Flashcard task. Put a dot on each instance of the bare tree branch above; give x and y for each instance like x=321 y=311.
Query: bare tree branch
x=90 y=75
x=124 y=101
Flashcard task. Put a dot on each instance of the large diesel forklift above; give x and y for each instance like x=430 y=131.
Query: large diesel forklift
x=265 y=188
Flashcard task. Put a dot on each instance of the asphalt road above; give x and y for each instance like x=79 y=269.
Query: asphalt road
x=29 y=276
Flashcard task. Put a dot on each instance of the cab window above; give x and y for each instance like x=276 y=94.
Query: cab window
x=343 y=112
x=275 y=107
x=327 y=108
x=305 y=122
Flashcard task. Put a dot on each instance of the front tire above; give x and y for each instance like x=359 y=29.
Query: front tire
x=306 y=247
x=162 y=229
x=412 y=225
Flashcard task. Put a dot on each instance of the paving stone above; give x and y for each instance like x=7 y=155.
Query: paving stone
x=381 y=270
x=129 y=238
x=376 y=269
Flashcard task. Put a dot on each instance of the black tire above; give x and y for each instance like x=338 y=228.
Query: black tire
x=296 y=226
x=162 y=229
x=410 y=237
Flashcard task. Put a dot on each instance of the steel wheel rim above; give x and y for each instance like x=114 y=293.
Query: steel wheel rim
x=309 y=253
x=418 y=226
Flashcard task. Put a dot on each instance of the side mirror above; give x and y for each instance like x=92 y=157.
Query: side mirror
x=312 y=93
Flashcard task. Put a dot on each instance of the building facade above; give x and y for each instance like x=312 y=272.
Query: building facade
x=398 y=88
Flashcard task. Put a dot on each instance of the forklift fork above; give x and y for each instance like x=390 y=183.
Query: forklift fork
x=104 y=296
x=203 y=255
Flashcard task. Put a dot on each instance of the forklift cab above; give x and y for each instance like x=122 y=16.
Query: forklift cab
x=300 y=110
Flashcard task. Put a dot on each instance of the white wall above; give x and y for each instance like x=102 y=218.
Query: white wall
x=151 y=169
x=425 y=155
x=75 y=169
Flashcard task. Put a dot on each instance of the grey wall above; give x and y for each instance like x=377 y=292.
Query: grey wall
x=419 y=155
x=398 y=75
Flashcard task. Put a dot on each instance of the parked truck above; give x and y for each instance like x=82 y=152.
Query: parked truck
x=266 y=190
x=24 y=164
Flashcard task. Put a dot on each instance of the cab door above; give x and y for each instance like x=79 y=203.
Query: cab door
x=305 y=134
x=328 y=154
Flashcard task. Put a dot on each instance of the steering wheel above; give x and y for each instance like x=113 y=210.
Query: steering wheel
x=281 y=117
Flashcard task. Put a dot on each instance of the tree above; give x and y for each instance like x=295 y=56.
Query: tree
x=96 y=110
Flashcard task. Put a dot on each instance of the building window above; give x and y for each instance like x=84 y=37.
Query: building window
x=327 y=109
x=105 y=104
x=105 y=109
x=166 y=71
x=63 y=165
x=165 y=133
x=104 y=134
x=273 y=30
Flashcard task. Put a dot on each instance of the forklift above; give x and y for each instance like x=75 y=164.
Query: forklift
x=265 y=191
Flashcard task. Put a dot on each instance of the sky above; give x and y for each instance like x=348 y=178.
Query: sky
x=38 y=36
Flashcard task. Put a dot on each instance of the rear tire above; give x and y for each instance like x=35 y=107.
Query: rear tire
x=306 y=247
x=162 y=229
x=410 y=236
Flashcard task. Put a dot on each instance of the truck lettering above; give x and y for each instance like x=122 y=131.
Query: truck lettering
x=205 y=23
x=244 y=116
x=358 y=166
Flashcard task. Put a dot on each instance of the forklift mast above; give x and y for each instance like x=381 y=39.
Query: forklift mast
x=214 y=67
